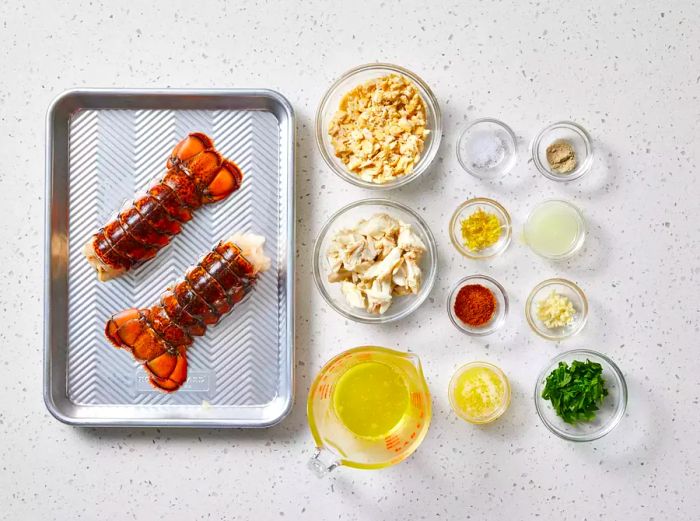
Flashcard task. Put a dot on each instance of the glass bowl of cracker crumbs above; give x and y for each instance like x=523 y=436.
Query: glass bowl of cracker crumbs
x=556 y=309
x=480 y=228
x=562 y=151
x=379 y=126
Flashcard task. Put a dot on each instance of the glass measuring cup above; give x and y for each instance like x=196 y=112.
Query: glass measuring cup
x=336 y=443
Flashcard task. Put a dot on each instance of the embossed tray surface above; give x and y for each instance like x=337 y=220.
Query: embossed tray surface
x=104 y=146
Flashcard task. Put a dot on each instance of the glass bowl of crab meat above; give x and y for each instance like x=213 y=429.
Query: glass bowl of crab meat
x=375 y=261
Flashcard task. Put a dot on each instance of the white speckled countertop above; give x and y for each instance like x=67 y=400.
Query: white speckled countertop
x=629 y=72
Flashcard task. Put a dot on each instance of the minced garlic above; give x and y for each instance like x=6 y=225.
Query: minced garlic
x=556 y=310
x=481 y=230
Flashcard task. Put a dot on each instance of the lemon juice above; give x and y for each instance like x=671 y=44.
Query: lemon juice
x=371 y=398
x=479 y=392
x=554 y=229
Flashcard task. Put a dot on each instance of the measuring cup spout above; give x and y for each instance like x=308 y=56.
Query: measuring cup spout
x=323 y=461
x=415 y=361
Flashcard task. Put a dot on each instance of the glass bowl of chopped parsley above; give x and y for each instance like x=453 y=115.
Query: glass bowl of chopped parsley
x=581 y=395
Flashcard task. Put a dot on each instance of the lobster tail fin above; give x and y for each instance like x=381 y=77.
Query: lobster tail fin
x=226 y=181
x=166 y=366
x=123 y=328
x=189 y=147
x=168 y=371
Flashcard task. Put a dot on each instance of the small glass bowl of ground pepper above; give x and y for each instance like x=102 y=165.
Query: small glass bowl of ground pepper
x=480 y=228
x=477 y=305
x=562 y=151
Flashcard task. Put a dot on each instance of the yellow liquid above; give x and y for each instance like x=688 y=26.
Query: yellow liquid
x=552 y=229
x=370 y=399
x=478 y=393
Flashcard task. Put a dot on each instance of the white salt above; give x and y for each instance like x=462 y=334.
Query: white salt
x=485 y=150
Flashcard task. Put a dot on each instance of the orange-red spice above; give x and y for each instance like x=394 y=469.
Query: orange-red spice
x=475 y=305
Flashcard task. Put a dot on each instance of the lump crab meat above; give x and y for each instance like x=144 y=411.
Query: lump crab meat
x=374 y=261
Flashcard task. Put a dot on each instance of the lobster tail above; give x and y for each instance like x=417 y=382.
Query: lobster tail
x=159 y=336
x=196 y=174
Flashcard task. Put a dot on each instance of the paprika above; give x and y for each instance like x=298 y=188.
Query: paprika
x=475 y=305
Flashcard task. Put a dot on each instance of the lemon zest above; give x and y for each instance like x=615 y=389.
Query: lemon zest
x=481 y=230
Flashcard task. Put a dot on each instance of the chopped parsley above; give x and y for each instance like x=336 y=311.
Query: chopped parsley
x=576 y=390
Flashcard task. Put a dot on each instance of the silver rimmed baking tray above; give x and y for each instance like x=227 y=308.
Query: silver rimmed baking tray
x=102 y=147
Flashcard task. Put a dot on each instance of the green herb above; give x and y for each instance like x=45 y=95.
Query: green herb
x=576 y=390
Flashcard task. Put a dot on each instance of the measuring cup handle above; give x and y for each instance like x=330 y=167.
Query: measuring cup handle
x=323 y=461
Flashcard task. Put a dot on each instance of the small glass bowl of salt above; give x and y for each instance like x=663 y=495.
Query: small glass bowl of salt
x=487 y=148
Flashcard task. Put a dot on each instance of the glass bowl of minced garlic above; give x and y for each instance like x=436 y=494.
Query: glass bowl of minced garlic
x=556 y=309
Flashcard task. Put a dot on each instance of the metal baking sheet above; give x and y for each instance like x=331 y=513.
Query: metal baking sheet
x=103 y=146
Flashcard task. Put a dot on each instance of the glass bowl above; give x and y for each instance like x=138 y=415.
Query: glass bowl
x=547 y=234
x=562 y=287
x=476 y=141
x=498 y=412
x=611 y=410
x=464 y=211
x=499 y=316
x=563 y=131
x=329 y=105
x=349 y=216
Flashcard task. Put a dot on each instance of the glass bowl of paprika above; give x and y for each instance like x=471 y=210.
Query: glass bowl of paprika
x=478 y=305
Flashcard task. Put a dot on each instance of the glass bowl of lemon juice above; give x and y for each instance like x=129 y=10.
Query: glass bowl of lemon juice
x=555 y=229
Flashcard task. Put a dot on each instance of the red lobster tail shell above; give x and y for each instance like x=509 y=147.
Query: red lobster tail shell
x=159 y=336
x=189 y=147
x=196 y=174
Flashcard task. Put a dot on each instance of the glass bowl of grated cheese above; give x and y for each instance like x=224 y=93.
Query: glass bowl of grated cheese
x=556 y=309
x=376 y=123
